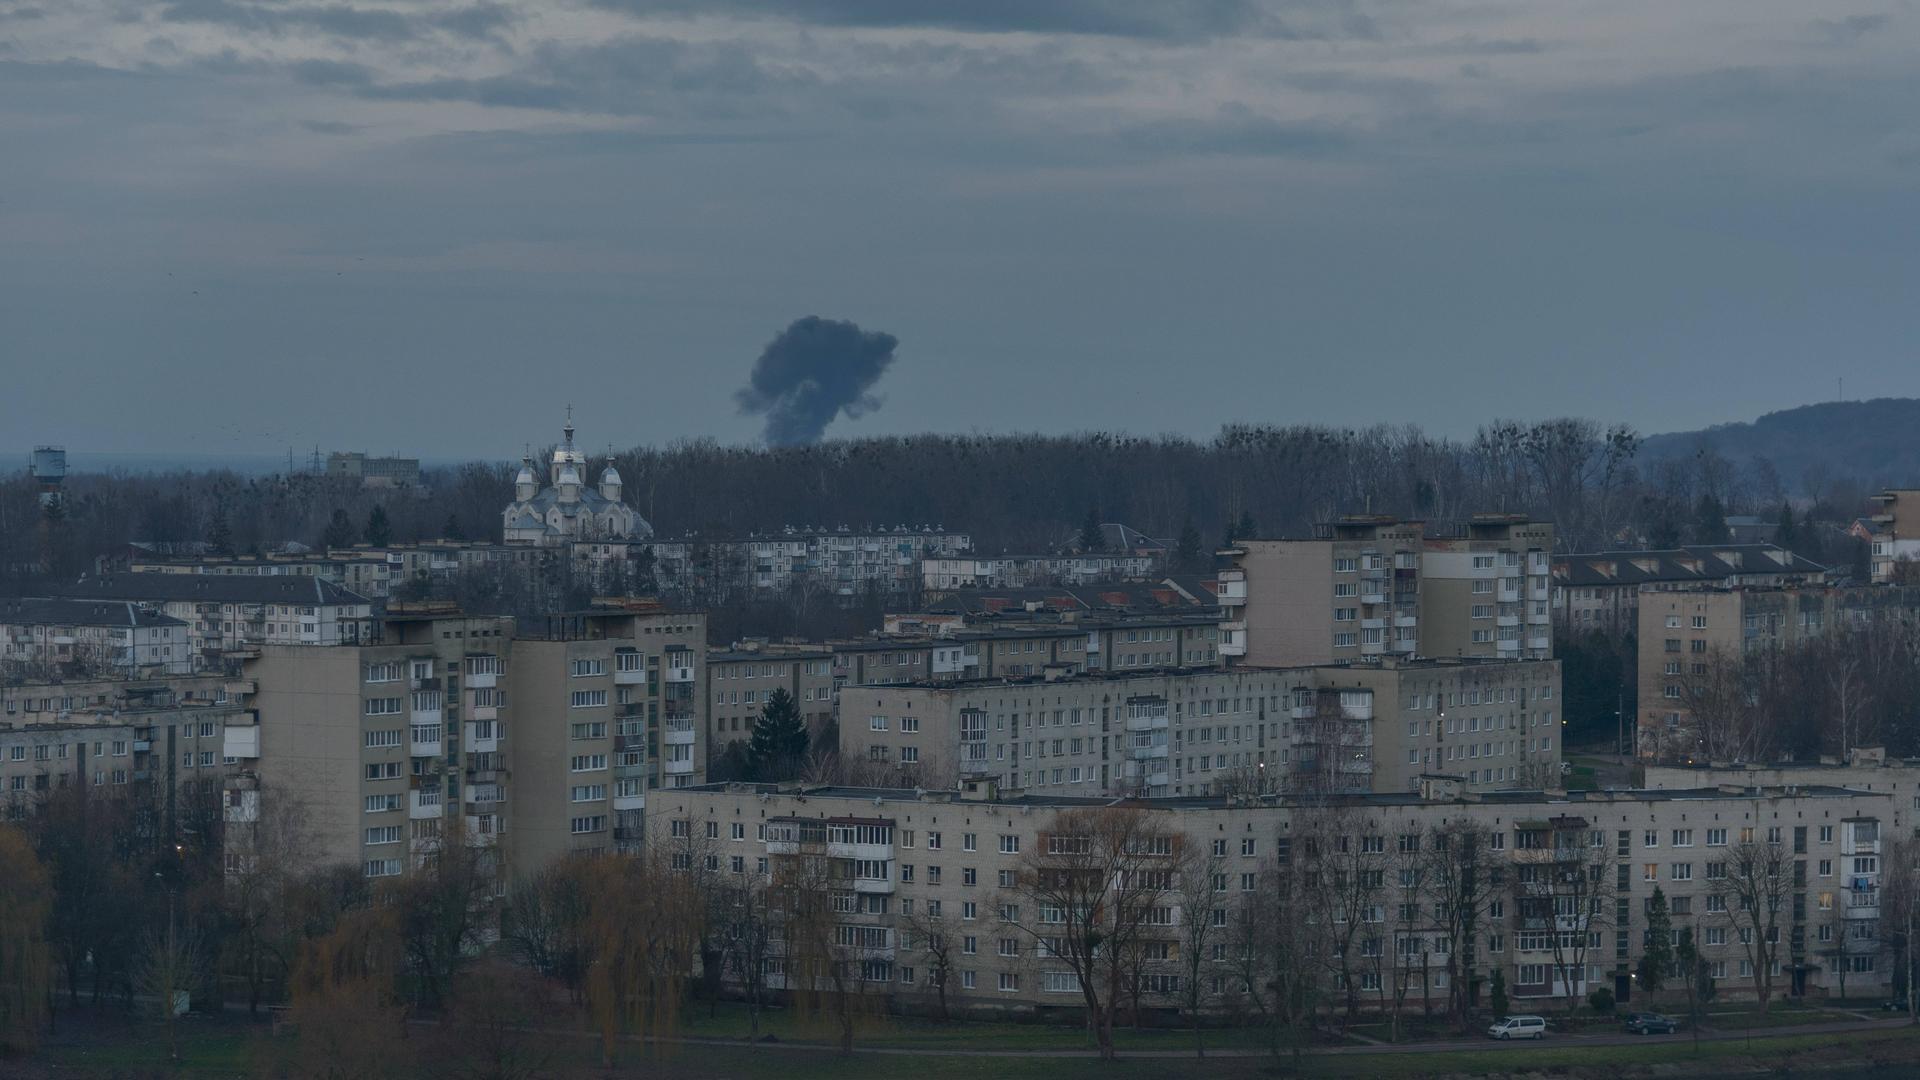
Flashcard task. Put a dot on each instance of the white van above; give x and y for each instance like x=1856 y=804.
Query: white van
x=1518 y=1027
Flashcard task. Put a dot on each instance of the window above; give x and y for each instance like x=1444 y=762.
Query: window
x=383 y=739
x=592 y=823
x=1009 y=845
x=385 y=706
x=383 y=834
x=587 y=793
x=584 y=667
x=586 y=699
x=588 y=762
x=379 y=770
x=593 y=729
x=382 y=867
x=377 y=804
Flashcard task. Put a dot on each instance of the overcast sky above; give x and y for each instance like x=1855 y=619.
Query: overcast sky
x=425 y=226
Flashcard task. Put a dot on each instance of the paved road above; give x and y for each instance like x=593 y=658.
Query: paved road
x=1435 y=1046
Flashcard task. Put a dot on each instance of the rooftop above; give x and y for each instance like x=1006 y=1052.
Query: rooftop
x=31 y=611
x=210 y=588
x=1694 y=562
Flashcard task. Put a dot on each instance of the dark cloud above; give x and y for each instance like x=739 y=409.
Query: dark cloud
x=815 y=371
x=1172 y=19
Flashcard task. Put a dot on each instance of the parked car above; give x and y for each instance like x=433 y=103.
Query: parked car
x=1651 y=1024
x=1518 y=1027
x=1895 y=1005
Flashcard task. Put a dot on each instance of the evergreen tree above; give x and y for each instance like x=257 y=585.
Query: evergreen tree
x=1090 y=539
x=219 y=533
x=1186 y=552
x=1243 y=529
x=339 y=531
x=1709 y=521
x=1656 y=962
x=779 y=742
x=1784 y=533
x=1497 y=996
x=379 y=529
x=452 y=530
x=1663 y=525
x=1811 y=545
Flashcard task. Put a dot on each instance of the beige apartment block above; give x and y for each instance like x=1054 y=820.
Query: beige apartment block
x=608 y=706
x=1352 y=591
x=161 y=752
x=1485 y=589
x=1363 y=726
x=1895 y=536
x=909 y=866
x=1681 y=633
x=386 y=747
x=742 y=679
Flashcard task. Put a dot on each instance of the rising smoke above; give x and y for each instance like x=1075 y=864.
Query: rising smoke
x=813 y=372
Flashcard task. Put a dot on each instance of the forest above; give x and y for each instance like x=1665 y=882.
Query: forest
x=1010 y=492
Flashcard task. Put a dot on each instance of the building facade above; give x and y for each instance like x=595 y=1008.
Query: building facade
x=940 y=903
x=88 y=637
x=1352 y=591
x=1485 y=589
x=1601 y=591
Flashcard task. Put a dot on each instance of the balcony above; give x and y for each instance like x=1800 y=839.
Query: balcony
x=635 y=801
x=425 y=805
x=484 y=712
x=240 y=742
x=677 y=733
x=1373 y=624
x=870 y=886
x=1232 y=585
x=1157 y=722
x=1506 y=620
x=1539 y=644
x=1406 y=620
x=1146 y=753
x=680 y=768
x=1233 y=639
x=482 y=681
x=425 y=740
x=629 y=676
x=476 y=838
x=421 y=717
x=1372 y=594
x=1506 y=595
x=849 y=850
x=236 y=688
x=680 y=672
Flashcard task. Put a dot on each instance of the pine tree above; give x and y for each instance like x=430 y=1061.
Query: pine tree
x=219 y=534
x=1186 y=552
x=779 y=741
x=1709 y=521
x=1497 y=995
x=452 y=530
x=1784 y=533
x=1656 y=961
x=1090 y=539
x=379 y=529
x=339 y=531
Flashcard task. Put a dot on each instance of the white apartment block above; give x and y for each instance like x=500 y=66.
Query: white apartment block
x=840 y=561
x=905 y=866
x=231 y=614
x=92 y=638
x=1348 y=727
x=965 y=571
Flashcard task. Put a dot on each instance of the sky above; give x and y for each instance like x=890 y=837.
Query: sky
x=427 y=226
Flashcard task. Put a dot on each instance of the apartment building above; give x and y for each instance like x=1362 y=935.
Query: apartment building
x=1362 y=726
x=920 y=869
x=968 y=571
x=91 y=637
x=1484 y=589
x=44 y=701
x=1600 y=591
x=1680 y=633
x=530 y=738
x=167 y=755
x=742 y=679
x=1351 y=591
x=228 y=614
x=1895 y=535
x=387 y=746
x=842 y=561
x=608 y=706
x=373 y=471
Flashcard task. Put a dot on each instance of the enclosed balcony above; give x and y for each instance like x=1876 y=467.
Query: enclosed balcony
x=423 y=805
x=679 y=768
x=676 y=733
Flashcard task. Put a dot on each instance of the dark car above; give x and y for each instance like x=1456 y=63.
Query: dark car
x=1651 y=1024
x=1896 y=1005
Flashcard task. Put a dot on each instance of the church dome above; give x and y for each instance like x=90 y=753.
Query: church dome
x=611 y=476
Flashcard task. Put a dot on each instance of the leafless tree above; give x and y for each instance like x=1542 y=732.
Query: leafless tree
x=927 y=932
x=1464 y=876
x=1760 y=883
x=1098 y=880
x=1563 y=888
x=1201 y=883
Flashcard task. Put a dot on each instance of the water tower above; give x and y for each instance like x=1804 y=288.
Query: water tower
x=48 y=467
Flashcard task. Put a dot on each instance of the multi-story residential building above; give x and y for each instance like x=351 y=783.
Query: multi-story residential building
x=228 y=614
x=840 y=561
x=1351 y=591
x=967 y=571
x=166 y=754
x=1682 y=634
x=742 y=678
x=1360 y=726
x=934 y=894
x=373 y=471
x=1600 y=591
x=391 y=746
x=1895 y=535
x=1484 y=589
x=609 y=704
x=92 y=637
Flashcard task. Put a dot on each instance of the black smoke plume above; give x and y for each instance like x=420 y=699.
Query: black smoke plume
x=814 y=371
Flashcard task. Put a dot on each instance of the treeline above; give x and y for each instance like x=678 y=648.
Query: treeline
x=1012 y=492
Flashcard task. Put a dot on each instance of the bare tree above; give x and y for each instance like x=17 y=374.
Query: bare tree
x=543 y=921
x=1464 y=877
x=925 y=930
x=1563 y=887
x=1201 y=882
x=1099 y=879
x=1760 y=882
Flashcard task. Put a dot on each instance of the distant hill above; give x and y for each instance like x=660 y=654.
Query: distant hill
x=1877 y=441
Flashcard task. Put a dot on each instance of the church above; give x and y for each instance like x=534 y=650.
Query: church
x=566 y=510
